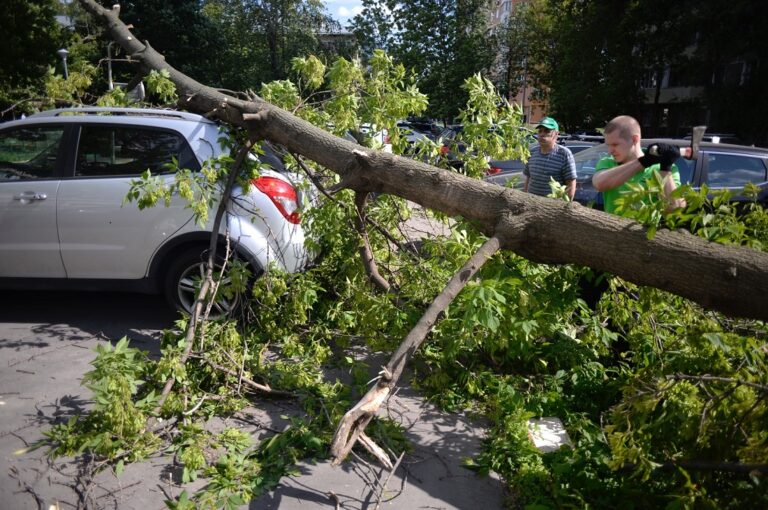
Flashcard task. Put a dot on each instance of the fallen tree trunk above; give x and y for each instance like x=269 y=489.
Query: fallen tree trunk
x=729 y=279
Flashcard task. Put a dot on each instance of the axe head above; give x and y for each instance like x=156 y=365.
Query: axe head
x=696 y=136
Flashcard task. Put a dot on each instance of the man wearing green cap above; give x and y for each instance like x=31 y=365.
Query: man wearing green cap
x=549 y=161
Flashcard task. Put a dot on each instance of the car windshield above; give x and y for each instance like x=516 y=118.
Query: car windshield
x=587 y=159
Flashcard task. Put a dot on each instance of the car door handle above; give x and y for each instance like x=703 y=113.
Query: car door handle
x=30 y=195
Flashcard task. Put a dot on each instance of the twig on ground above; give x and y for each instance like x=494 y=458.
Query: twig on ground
x=386 y=481
x=335 y=499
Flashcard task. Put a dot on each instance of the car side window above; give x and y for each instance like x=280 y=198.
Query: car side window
x=29 y=153
x=587 y=161
x=734 y=170
x=129 y=151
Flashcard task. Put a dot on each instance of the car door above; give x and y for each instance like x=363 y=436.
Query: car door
x=30 y=161
x=100 y=235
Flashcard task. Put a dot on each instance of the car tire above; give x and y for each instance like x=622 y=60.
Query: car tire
x=183 y=280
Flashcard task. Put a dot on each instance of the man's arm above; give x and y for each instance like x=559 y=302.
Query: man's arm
x=669 y=186
x=614 y=177
x=569 y=173
x=527 y=175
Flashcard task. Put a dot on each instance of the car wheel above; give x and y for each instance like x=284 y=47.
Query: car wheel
x=184 y=279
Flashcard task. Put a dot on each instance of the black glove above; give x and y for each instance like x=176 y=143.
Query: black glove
x=649 y=160
x=667 y=154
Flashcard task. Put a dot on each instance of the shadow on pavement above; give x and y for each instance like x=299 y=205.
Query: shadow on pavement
x=36 y=319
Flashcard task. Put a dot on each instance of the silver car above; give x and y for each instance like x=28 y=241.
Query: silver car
x=64 y=175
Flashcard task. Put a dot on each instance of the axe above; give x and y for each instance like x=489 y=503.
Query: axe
x=691 y=152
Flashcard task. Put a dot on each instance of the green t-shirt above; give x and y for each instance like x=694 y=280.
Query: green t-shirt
x=610 y=196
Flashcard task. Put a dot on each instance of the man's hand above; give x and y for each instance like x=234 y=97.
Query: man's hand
x=649 y=160
x=666 y=153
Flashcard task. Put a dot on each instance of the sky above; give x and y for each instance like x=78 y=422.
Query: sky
x=344 y=10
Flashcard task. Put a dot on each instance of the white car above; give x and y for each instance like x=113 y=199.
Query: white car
x=64 y=176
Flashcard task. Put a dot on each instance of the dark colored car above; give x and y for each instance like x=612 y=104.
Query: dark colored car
x=501 y=172
x=719 y=138
x=719 y=166
x=424 y=126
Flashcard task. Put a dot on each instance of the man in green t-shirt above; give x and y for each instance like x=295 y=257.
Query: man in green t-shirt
x=628 y=164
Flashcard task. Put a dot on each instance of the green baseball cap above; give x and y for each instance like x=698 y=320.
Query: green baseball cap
x=549 y=123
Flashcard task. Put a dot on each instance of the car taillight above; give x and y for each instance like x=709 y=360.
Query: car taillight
x=282 y=195
x=493 y=170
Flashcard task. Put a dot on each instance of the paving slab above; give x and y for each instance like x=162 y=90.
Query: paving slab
x=46 y=345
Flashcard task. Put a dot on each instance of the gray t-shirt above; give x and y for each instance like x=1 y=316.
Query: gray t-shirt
x=558 y=164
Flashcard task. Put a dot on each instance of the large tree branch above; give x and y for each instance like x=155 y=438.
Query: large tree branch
x=353 y=423
x=729 y=279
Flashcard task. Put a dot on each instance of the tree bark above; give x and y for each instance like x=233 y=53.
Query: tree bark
x=732 y=280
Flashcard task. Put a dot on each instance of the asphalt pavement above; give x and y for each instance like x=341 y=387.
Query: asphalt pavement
x=47 y=341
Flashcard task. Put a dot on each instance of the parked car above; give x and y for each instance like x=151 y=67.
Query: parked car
x=412 y=136
x=424 y=126
x=64 y=176
x=719 y=138
x=719 y=166
x=589 y=136
x=503 y=172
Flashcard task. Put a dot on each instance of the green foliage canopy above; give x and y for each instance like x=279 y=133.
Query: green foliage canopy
x=444 y=42
x=31 y=36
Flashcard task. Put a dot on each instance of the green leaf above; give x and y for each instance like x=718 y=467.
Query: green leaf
x=716 y=340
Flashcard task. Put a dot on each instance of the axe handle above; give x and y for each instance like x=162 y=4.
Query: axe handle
x=686 y=152
x=691 y=152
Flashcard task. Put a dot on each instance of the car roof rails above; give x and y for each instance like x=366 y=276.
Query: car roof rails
x=143 y=112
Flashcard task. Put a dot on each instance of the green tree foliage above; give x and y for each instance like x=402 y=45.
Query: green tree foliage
x=374 y=28
x=594 y=60
x=444 y=42
x=31 y=36
x=260 y=37
x=580 y=58
x=731 y=53
x=179 y=30
x=514 y=53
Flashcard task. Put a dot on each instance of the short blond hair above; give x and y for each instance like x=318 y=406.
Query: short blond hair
x=626 y=126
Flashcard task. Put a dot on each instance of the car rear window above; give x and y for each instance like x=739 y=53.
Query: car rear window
x=129 y=151
x=29 y=153
x=734 y=170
